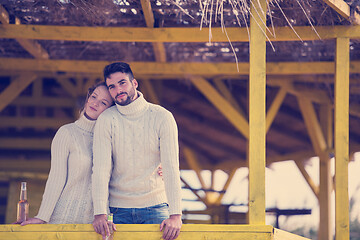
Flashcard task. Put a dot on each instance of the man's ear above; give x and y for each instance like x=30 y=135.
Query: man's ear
x=136 y=84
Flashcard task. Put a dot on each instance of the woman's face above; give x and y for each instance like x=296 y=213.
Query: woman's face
x=98 y=101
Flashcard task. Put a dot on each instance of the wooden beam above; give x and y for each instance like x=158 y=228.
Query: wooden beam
x=343 y=9
x=44 y=102
x=193 y=191
x=33 y=47
x=239 y=122
x=257 y=113
x=33 y=122
x=223 y=89
x=19 y=165
x=191 y=159
x=275 y=106
x=16 y=86
x=25 y=143
x=139 y=34
x=183 y=69
x=226 y=185
x=150 y=91
x=159 y=49
x=308 y=179
x=342 y=139
x=68 y=86
x=313 y=126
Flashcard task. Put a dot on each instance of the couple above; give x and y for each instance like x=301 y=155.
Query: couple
x=113 y=164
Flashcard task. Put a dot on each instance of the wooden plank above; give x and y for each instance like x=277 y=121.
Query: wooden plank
x=33 y=122
x=150 y=91
x=16 y=86
x=257 y=114
x=14 y=164
x=139 y=34
x=343 y=9
x=325 y=179
x=308 y=179
x=342 y=139
x=156 y=69
x=275 y=106
x=26 y=143
x=191 y=159
x=239 y=122
x=283 y=235
x=312 y=125
x=44 y=102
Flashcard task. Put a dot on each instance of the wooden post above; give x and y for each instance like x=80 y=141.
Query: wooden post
x=342 y=139
x=257 y=113
x=325 y=186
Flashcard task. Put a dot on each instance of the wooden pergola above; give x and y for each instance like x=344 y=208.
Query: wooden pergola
x=41 y=91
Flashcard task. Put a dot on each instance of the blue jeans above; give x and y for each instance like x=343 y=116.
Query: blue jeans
x=149 y=215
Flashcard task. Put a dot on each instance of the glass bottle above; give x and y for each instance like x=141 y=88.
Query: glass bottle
x=110 y=221
x=23 y=205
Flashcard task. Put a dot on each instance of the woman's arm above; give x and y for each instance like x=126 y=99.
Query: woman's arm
x=60 y=150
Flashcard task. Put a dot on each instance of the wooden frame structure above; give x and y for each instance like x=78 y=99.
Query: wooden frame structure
x=260 y=74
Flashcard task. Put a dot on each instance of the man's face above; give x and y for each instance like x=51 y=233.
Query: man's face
x=121 y=89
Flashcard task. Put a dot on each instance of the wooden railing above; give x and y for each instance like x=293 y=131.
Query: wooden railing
x=148 y=232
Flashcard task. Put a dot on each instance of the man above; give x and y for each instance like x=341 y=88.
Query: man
x=131 y=140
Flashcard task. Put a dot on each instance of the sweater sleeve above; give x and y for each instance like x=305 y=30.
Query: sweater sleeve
x=169 y=155
x=60 y=149
x=102 y=165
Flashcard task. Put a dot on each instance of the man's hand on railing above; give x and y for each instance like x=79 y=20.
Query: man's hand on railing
x=101 y=226
x=171 y=227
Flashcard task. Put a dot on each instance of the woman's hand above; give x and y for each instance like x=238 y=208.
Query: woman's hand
x=32 y=221
x=160 y=171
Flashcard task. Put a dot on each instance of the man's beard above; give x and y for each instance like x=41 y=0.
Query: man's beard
x=125 y=102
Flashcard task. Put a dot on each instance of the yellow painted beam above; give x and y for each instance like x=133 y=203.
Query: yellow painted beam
x=68 y=86
x=308 y=179
x=325 y=179
x=226 y=185
x=137 y=231
x=223 y=89
x=33 y=122
x=25 y=143
x=312 y=125
x=257 y=113
x=33 y=47
x=138 y=34
x=172 y=69
x=239 y=122
x=343 y=9
x=150 y=91
x=21 y=165
x=44 y=102
x=16 y=86
x=342 y=139
x=283 y=235
x=275 y=106
x=191 y=159
x=194 y=192
x=159 y=49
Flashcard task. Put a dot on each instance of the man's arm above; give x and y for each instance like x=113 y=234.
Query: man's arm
x=169 y=154
x=102 y=167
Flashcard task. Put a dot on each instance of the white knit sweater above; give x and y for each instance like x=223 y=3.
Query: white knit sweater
x=67 y=197
x=130 y=142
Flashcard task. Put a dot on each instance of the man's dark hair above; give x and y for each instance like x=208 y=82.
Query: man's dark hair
x=118 y=67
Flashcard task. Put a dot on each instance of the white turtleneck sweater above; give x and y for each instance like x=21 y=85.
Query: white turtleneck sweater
x=67 y=197
x=130 y=142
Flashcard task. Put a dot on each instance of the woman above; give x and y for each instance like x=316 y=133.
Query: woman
x=67 y=197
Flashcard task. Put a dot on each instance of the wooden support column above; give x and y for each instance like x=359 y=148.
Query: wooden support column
x=14 y=89
x=325 y=188
x=257 y=114
x=342 y=139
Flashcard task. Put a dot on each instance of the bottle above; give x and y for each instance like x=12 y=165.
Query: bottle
x=110 y=221
x=23 y=205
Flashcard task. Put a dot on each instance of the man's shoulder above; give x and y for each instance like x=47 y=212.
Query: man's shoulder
x=159 y=110
x=108 y=113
